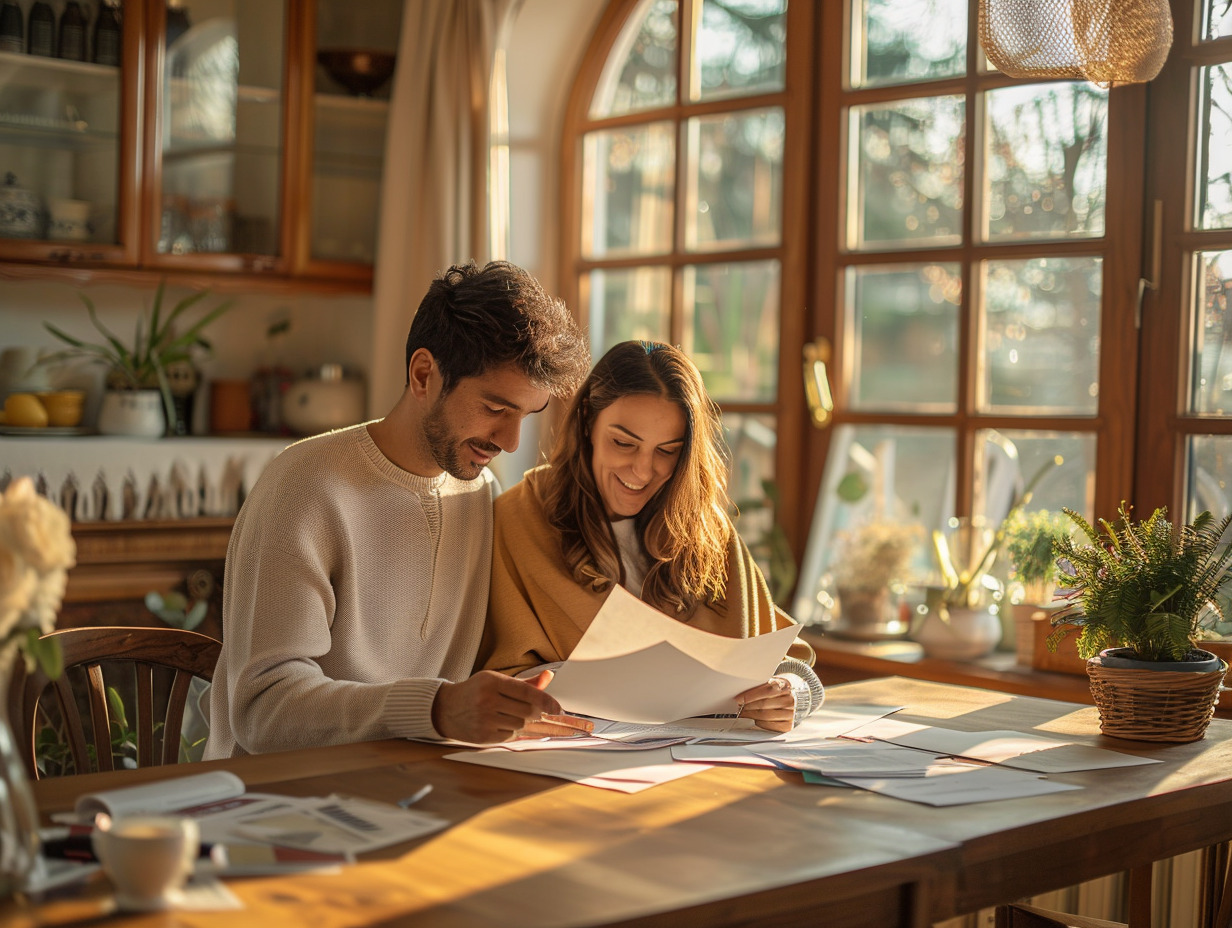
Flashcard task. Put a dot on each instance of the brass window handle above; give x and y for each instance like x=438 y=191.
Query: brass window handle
x=816 y=382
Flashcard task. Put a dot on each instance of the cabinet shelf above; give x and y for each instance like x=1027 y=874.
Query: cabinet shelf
x=63 y=134
x=81 y=77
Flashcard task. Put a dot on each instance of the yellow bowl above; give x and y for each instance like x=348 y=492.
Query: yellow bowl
x=64 y=407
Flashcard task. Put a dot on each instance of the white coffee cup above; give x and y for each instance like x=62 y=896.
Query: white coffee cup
x=147 y=857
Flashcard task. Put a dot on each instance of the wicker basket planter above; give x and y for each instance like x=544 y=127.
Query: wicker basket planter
x=1147 y=704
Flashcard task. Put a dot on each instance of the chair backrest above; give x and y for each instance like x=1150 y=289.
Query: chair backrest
x=181 y=655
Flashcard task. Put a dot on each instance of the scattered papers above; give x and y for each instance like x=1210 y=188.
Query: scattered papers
x=604 y=769
x=733 y=754
x=695 y=672
x=1008 y=748
x=227 y=814
x=838 y=758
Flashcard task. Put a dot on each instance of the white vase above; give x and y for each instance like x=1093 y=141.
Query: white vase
x=135 y=413
x=958 y=633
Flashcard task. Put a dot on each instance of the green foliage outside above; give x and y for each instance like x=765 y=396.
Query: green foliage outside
x=1143 y=585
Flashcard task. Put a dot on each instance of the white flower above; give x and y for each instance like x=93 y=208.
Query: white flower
x=36 y=552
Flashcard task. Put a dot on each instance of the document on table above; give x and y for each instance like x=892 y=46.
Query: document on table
x=694 y=672
x=959 y=784
x=1008 y=748
x=613 y=770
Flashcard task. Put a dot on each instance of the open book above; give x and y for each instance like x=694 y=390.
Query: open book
x=229 y=815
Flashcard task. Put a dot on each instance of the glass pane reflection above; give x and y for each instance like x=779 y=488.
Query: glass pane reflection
x=1214 y=173
x=904 y=345
x=735 y=178
x=741 y=48
x=733 y=335
x=1211 y=364
x=627 y=304
x=628 y=181
x=641 y=68
x=1041 y=336
x=1210 y=475
x=1046 y=150
x=1008 y=459
x=901 y=41
x=908 y=176
x=1216 y=19
x=875 y=474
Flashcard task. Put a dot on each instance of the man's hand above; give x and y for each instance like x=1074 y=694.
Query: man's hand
x=491 y=707
x=772 y=705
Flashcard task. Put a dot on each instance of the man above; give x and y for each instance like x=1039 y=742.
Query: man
x=357 y=572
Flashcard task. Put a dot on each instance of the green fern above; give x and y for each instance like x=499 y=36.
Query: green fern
x=1145 y=585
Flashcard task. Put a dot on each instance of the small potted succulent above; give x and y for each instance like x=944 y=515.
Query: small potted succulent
x=1139 y=594
x=140 y=398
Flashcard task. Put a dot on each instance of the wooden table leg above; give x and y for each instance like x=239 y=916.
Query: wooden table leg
x=1140 y=896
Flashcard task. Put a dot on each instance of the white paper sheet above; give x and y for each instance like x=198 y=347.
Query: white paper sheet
x=1008 y=748
x=623 y=772
x=959 y=785
x=695 y=673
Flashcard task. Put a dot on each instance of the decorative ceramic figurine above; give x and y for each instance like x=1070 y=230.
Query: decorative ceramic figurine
x=21 y=211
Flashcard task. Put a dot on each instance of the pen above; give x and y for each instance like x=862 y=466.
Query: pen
x=415 y=796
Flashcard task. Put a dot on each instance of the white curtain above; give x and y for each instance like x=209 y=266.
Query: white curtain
x=434 y=198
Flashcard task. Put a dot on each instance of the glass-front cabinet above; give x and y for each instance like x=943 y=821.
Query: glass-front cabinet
x=216 y=136
x=68 y=131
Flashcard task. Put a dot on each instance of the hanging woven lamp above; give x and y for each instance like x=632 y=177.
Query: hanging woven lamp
x=1106 y=42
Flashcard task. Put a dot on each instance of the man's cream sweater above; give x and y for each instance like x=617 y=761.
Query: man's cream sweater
x=352 y=589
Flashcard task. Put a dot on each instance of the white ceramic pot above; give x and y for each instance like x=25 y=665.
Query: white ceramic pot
x=135 y=413
x=958 y=634
x=326 y=401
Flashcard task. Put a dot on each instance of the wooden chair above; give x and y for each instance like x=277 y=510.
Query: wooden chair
x=153 y=657
x=1029 y=916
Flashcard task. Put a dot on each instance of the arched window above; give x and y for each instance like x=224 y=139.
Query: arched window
x=996 y=271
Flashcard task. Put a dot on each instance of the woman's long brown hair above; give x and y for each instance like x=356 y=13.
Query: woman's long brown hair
x=684 y=528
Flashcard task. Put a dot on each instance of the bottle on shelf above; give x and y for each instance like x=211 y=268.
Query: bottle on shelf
x=107 y=33
x=72 y=43
x=12 y=27
x=177 y=20
x=41 y=30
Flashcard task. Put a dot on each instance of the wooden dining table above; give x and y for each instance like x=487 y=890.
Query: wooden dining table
x=723 y=847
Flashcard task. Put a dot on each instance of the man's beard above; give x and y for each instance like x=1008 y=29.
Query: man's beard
x=445 y=447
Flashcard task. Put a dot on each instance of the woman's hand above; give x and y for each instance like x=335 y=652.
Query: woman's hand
x=772 y=705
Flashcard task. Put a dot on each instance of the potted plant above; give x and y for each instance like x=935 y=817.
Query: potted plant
x=1138 y=594
x=1029 y=541
x=870 y=559
x=157 y=347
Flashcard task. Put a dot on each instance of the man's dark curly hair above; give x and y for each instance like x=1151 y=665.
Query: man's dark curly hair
x=473 y=319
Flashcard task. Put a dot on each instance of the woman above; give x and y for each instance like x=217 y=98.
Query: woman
x=635 y=493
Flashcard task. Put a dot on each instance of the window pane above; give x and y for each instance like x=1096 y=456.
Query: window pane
x=751 y=440
x=904 y=323
x=733 y=335
x=741 y=48
x=1210 y=473
x=627 y=304
x=1046 y=151
x=627 y=189
x=1041 y=336
x=908 y=177
x=641 y=69
x=1216 y=19
x=1211 y=365
x=899 y=41
x=735 y=178
x=1010 y=459
x=1214 y=173
x=875 y=473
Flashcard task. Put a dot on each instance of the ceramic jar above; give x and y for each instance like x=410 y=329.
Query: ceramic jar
x=135 y=413
x=21 y=210
x=325 y=400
